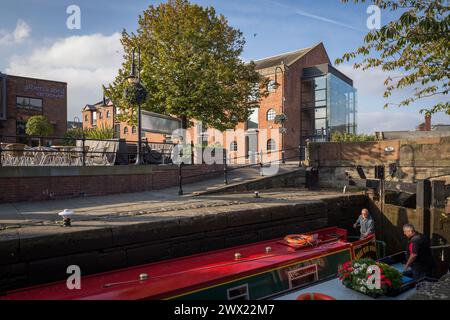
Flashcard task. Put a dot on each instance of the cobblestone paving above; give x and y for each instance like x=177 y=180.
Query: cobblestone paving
x=434 y=291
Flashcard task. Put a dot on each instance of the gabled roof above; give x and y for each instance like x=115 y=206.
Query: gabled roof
x=89 y=107
x=106 y=102
x=287 y=58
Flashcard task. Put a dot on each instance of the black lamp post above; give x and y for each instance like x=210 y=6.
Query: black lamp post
x=283 y=118
x=136 y=94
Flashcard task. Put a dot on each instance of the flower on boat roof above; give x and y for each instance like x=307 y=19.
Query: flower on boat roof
x=357 y=276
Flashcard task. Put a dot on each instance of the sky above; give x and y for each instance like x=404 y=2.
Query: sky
x=35 y=42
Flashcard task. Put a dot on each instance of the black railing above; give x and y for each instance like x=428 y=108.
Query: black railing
x=226 y=169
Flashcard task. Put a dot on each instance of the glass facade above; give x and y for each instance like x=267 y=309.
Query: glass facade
x=341 y=103
x=328 y=105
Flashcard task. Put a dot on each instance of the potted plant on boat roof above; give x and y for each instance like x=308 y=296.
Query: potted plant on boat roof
x=356 y=275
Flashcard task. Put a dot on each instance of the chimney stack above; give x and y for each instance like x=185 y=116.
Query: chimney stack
x=428 y=122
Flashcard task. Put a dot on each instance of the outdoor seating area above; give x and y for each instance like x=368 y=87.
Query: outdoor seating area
x=18 y=154
x=82 y=153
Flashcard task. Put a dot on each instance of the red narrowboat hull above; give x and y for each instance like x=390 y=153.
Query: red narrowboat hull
x=178 y=277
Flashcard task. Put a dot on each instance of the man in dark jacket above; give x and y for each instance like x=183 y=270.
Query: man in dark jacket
x=419 y=256
x=366 y=224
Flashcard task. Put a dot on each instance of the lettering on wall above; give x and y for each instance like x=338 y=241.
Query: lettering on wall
x=45 y=92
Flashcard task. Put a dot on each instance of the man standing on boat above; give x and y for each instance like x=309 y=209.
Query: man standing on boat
x=420 y=258
x=366 y=223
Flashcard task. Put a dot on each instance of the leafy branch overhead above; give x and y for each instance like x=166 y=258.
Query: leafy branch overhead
x=417 y=45
x=190 y=67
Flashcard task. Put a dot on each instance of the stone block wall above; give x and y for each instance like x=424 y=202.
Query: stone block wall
x=42 y=255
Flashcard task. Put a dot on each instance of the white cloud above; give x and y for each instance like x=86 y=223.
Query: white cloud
x=84 y=62
x=18 y=35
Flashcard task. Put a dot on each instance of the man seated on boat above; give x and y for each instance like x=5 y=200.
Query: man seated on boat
x=366 y=223
x=420 y=258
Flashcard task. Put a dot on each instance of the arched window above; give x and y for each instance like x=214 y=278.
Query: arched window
x=100 y=115
x=271 y=145
x=133 y=130
x=271 y=114
x=125 y=130
x=234 y=146
x=86 y=117
x=108 y=114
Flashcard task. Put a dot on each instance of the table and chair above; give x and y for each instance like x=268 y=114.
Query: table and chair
x=18 y=154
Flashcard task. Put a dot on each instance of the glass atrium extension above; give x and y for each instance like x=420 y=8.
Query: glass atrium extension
x=328 y=104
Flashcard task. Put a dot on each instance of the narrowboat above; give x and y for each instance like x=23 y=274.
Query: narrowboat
x=249 y=272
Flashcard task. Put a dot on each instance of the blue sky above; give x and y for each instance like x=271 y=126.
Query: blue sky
x=34 y=41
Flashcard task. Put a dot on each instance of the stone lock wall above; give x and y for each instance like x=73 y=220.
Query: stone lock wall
x=42 y=254
x=415 y=159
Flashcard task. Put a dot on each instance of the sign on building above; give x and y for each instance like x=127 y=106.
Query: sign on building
x=159 y=123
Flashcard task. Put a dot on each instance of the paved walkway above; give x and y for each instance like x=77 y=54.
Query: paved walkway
x=16 y=215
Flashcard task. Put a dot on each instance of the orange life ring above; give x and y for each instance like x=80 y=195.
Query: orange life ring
x=314 y=296
x=300 y=239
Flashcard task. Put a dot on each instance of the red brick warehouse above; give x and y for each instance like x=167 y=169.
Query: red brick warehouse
x=318 y=100
x=22 y=98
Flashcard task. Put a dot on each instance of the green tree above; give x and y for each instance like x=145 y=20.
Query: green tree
x=417 y=45
x=38 y=126
x=190 y=66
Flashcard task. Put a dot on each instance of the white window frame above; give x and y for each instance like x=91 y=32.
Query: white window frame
x=291 y=278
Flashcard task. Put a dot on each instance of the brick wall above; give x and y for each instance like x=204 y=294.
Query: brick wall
x=37 y=184
x=54 y=103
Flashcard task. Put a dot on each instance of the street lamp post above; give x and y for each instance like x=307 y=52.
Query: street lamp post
x=137 y=97
x=283 y=129
x=83 y=139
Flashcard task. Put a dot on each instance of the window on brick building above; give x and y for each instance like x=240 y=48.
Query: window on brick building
x=271 y=145
x=234 y=146
x=29 y=103
x=125 y=130
x=108 y=114
x=271 y=114
x=133 y=130
x=100 y=115
x=86 y=118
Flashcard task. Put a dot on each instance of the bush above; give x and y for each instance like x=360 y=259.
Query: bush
x=100 y=133
x=350 y=137
x=71 y=136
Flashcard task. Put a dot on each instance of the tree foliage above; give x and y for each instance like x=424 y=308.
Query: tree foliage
x=38 y=126
x=190 y=67
x=417 y=45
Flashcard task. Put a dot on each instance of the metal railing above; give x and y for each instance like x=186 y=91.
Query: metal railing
x=251 y=158
x=78 y=151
